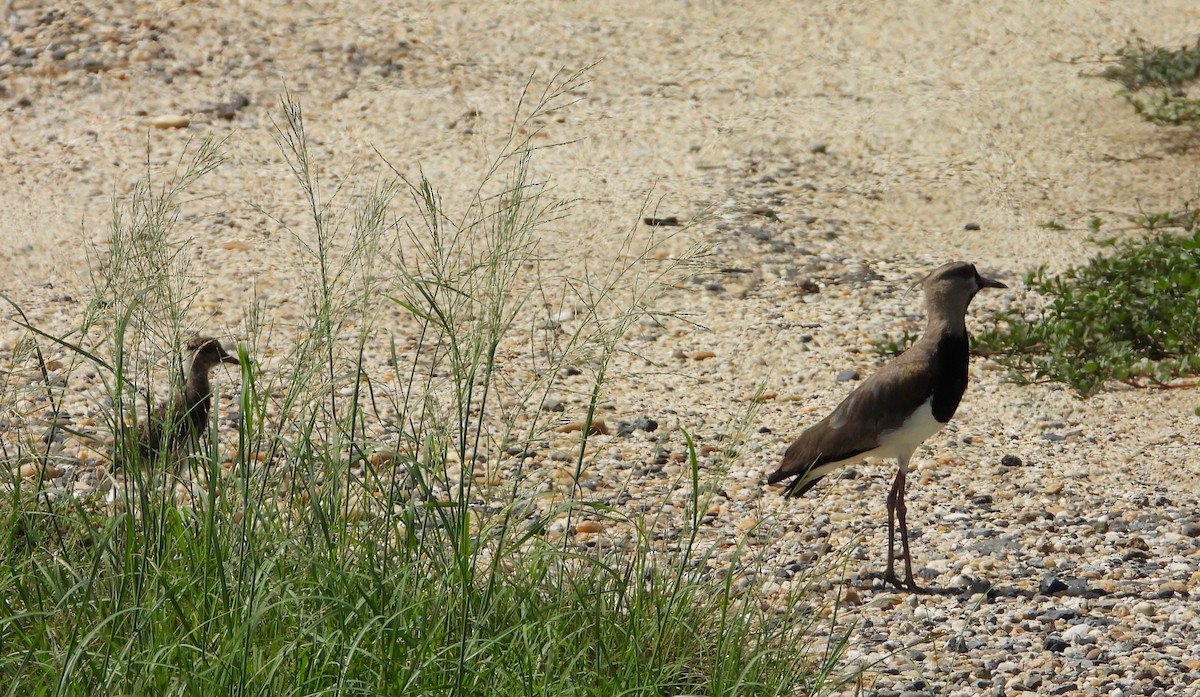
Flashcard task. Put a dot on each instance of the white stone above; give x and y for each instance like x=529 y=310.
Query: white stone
x=1076 y=634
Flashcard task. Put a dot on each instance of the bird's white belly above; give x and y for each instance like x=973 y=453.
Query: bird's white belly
x=901 y=442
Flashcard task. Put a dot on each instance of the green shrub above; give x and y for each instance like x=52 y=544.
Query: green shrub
x=1154 y=81
x=1129 y=316
x=1141 y=65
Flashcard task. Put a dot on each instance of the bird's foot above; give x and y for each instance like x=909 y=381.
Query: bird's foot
x=907 y=585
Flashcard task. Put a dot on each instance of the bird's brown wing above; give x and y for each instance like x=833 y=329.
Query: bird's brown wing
x=878 y=405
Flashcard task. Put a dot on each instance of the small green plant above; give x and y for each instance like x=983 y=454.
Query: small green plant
x=1166 y=107
x=1162 y=220
x=888 y=347
x=1154 y=81
x=1128 y=316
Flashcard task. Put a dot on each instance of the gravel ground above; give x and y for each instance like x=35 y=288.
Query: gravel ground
x=830 y=153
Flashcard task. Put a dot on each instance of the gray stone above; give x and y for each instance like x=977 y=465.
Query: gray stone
x=1011 y=460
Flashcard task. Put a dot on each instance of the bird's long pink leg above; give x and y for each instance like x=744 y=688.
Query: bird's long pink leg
x=902 y=514
x=892 y=500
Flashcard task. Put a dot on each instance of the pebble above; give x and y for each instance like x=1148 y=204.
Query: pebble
x=1052 y=586
x=32 y=470
x=228 y=110
x=381 y=458
x=598 y=427
x=1077 y=634
x=847 y=375
x=641 y=423
x=167 y=121
x=589 y=526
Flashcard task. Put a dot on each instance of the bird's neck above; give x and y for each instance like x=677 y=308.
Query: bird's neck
x=197 y=387
x=941 y=324
x=947 y=314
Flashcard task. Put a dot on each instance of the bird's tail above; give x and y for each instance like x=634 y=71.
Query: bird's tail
x=806 y=477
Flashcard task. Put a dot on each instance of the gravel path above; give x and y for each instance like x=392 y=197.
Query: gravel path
x=830 y=153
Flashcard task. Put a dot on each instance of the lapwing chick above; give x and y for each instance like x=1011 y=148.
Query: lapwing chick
x=183 y=418
x=897 y=408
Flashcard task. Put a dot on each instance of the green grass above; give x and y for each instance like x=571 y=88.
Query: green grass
x=179 y=603
x=324 y=555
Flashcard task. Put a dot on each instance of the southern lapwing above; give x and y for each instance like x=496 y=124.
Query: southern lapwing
x=896 y=409
x=183 y=418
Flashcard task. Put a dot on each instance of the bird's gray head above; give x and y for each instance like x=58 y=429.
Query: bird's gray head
x=950 y=288
x=207 y=352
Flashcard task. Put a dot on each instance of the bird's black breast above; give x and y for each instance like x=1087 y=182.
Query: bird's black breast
x=950 y=374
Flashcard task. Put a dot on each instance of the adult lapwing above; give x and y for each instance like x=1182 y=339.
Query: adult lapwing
x=897 y=408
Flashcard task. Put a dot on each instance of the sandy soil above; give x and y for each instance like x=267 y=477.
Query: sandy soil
x=934 y=114
x=873 y=132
